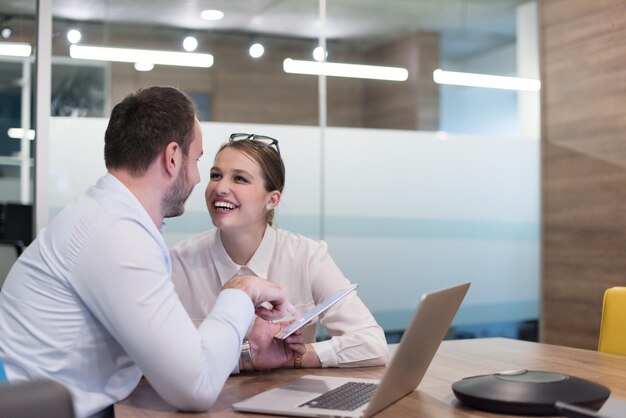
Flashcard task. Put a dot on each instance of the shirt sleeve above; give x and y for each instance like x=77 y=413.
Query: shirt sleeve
x=357 y=340
x=123 y=278
x=194 y=279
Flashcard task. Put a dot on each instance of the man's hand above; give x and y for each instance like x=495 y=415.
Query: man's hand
x=269 y=352
x=270 y=301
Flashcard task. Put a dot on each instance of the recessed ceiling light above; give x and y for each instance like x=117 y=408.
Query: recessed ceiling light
x=256 y=50
x=144 y=66
x=319 y=54
x=190 y=44
x=74 y=35
x=6 y=32
x=212 y=15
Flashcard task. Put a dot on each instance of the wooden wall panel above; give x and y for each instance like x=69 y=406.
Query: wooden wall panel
x=412 y=104
x=583 y=70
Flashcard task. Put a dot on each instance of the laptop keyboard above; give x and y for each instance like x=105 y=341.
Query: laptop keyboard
x=346 y=397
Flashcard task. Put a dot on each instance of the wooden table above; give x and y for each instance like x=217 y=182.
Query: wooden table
x=434 y=398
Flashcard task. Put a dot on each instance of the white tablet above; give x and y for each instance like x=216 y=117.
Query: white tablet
x=311 y=314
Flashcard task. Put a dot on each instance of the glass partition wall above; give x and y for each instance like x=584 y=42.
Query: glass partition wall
x=414 y=184
x=16 y=127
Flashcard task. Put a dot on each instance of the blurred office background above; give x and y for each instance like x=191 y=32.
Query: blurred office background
x=415 y=185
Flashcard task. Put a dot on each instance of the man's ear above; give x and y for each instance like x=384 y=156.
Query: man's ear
x=172 y=158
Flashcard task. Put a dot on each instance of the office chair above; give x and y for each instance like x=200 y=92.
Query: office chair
x=16 y=222
x=35 y=399
x=10 y=250
x=613 y=325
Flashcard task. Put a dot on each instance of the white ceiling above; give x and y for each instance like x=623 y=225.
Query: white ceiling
x=467 y=26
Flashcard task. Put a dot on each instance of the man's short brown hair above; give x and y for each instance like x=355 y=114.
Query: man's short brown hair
x=142 y=125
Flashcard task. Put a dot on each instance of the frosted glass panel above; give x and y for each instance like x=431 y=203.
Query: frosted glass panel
x=404 y=212
x=408 y=212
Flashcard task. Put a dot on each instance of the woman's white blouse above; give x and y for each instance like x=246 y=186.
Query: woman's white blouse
x=302 y=266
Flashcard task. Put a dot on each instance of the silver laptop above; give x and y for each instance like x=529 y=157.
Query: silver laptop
x=320 y=396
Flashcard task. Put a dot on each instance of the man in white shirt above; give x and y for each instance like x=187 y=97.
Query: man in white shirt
x=90 y=302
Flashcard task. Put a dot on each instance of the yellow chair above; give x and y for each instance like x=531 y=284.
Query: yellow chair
x=613 y=326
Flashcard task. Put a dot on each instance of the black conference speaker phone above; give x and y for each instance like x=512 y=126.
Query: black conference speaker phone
x=528 y=392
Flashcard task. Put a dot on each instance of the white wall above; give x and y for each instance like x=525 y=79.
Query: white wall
x=405 y=212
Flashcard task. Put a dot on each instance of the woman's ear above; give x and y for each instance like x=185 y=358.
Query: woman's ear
x=274 y=199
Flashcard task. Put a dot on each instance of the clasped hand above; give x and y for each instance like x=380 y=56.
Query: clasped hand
x=270 y=300
x=269 y=352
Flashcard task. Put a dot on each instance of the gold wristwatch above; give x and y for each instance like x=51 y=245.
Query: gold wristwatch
x=297 y=360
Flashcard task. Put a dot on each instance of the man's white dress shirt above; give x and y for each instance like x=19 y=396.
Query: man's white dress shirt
x=90 y=303
x=201 y=265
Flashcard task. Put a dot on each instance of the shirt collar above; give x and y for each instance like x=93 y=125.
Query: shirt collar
x=110 y=182
x=258 y=264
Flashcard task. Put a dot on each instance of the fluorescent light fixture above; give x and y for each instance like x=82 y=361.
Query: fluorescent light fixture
x=334 y=69
x=18 y=133
x=15 y=49
x=183 y=59
x=484 y=80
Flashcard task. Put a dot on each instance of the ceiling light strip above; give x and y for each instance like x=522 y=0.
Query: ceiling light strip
x=15 y=49
x=184 y=59
x=484 y=80
x=19 y=133
x=333 y=69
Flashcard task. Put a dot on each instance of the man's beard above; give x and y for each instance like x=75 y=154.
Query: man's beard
x=173 y=202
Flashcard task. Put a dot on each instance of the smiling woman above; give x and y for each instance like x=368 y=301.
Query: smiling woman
x=246 y=184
